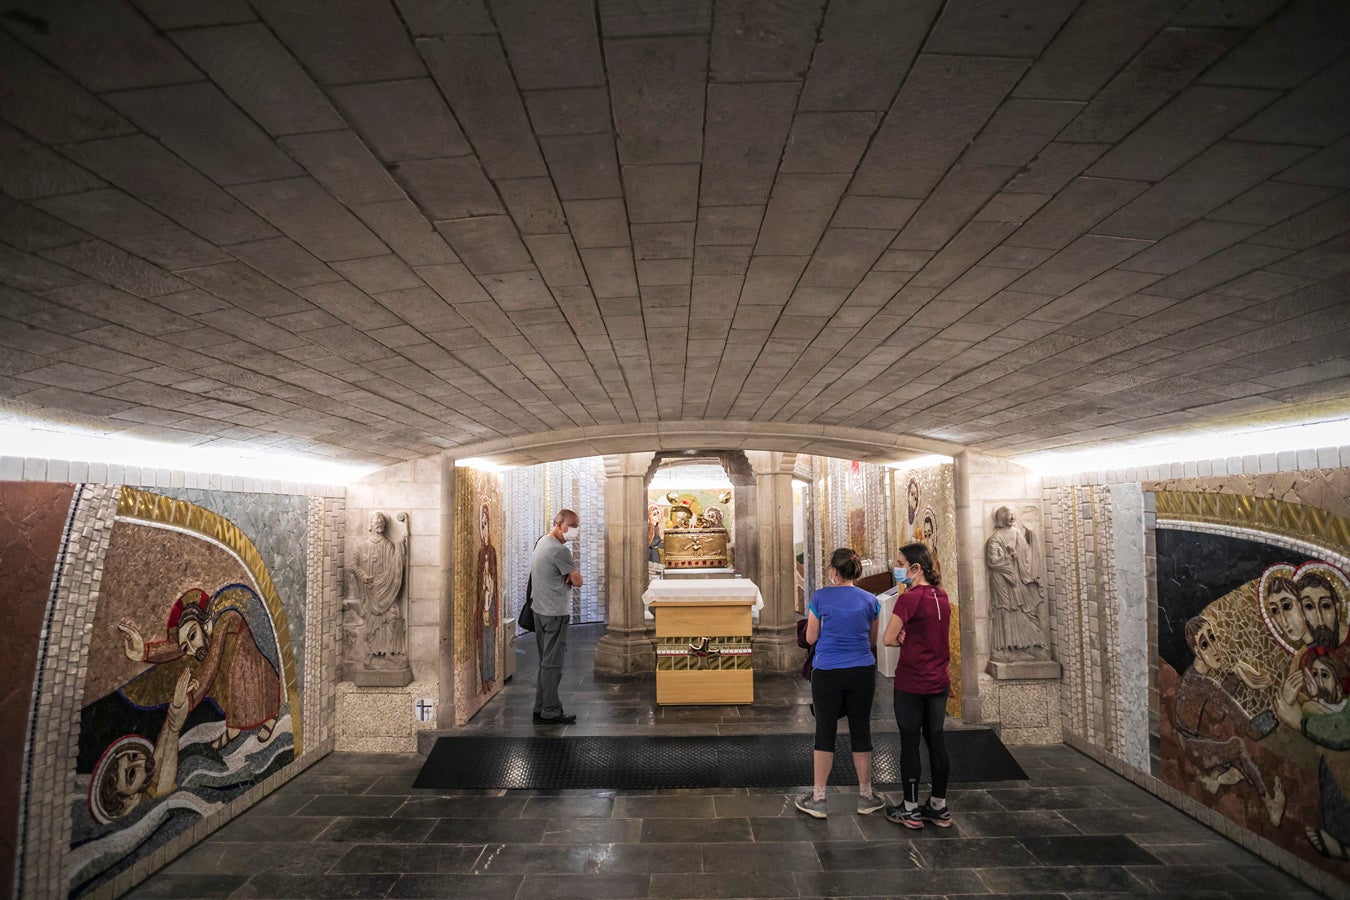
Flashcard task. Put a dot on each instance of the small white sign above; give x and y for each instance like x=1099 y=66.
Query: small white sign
x=425 y=708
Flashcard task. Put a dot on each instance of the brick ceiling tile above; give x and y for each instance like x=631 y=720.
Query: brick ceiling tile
x=1316 y=113
x=1006 y=308
x=342 y=43
x=874 y=212
x=1211 y=179
x=80 y=115
x=259 y=74
x=1077 y=263
x=201 y=125
x=598 y=223
x=661 y=193
x=673 y=240
x=1020 y=129
x=407 y=232
x=1329 y=166
x=1054 y=167
x=125 y=222
x=402 y=119
x=349 y=304
x=449 y=188
x=560 y=50
x=634 y=18
x=1326 y=260
x=251 y=328
x=863 y=52
x=611 y=271
x=963 y=191
x=944 y=103
x=284 y=261
x=1100 y=37
x=1016 y=257
x=29 y=170
x=770 y=280
x=349 y=343
x=657 y=272
x=903 y=260
x=1291 y=47
x=474 y=75
x=755 y=41
x=1188 y=246
x=815 y=301
x=168 y=14
x=105 y=47
x=747 y=125
x=844 y=256
x=1323 y=221
x=1262 y=285
x=301 y=322
x=657 y=88
x=799 y=209
x=533 y=204
x=555 y=256
x=147 y=169
x=978 y=284
x=25 y=227
x=519 y=291
x=1170 y=61
x=1005 y=27
x=106 y=263
x=569 y=111
x=583 y=166
x=1081 y=205
x=342 y=164
x=302 y=209
x=1189 y=123
x=733 y=225
x=1272 y=202
x=379 y=274
x=487 y=244
x=828 y=141
x=435 y=17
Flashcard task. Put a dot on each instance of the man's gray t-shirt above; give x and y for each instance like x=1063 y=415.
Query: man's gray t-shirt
x=552 y=563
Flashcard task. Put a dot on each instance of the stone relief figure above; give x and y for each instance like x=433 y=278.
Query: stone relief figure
x=489 y=596
x=380 y=569
x=1016 y=604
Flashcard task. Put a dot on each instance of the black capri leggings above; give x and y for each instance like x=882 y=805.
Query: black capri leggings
x=926 y=712
x=835 y=691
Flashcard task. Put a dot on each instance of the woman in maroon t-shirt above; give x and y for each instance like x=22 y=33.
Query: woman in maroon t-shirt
x=921 y=627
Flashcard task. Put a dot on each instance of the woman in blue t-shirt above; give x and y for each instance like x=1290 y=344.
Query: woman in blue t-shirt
x=842 y=625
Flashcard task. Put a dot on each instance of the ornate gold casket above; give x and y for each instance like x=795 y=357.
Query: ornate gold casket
x=696 y=548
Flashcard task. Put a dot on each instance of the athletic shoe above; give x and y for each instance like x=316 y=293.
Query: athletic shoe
x=909 y=818
x=942 y=818
x=808 y=804
x=869 y=805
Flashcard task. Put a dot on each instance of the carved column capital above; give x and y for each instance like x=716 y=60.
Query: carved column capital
x=628 y=463
x=771 y=462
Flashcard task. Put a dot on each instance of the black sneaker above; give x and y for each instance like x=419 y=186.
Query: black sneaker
x=942 y=818
x=909 y=818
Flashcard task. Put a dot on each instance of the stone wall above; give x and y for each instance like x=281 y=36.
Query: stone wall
x=129 y=551
x=1208 y=539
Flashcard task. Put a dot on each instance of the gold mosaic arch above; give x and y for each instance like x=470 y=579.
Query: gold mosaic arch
x=1293 y=520
x=161 y=510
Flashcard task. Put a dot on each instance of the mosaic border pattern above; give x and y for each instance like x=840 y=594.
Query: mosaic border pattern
x=1266 y=515
x=156 y=509
x=677 y=654
x=46 y=825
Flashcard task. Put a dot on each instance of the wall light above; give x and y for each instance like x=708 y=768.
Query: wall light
x=481 y=464
x=1192 y=447
x=919 y=462
x=42 y=440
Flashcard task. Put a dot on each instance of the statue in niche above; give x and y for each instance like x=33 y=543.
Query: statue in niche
x=489 y=597
x=1016 y=602
x=380 y=568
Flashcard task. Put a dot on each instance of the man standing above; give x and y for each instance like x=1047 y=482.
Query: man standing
x=554 y=574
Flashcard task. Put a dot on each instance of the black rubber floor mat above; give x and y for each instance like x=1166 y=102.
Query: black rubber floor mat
x=636 y=763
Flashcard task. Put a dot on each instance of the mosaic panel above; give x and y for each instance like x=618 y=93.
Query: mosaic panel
x=925 y=511
x=1254 y=668
x=479 y=592
x=533 y=495
x=33 y=518
x=694 y=653
x=191 y=696
x=683 y=509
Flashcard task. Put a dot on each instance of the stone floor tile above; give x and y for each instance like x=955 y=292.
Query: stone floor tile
x=592 y=831
x=1012 y=824
x=780 y=884
x=601 y=803
x=409 y=859
x=486 y=831
x=350 y=805
x=251 y=829
x=462 y=807
x=1088 y=850
x=1175 y=879
x=176 y=885
x=971 y=853
x=480 y=887
x=304 y=887
x=872 y=856
x=768 y=857
x=890 y=882
x=359 y=830
x=801 y=827
x=695 y=831
x=1061 y=879
x=664 y=807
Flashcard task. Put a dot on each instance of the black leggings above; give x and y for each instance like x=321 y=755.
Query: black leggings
x=834 y=691
x=926 y=712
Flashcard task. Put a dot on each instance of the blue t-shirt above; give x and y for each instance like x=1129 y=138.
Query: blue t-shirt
x=846 y=615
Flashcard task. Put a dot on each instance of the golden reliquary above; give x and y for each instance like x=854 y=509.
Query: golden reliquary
x=696 y=548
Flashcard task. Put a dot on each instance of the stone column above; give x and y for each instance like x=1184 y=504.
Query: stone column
x=626 y=647
x=775 y=646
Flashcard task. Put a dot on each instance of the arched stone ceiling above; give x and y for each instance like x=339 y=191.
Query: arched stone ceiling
x=379 y=229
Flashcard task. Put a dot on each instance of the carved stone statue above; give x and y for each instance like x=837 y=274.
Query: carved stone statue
x=380 y=568
x=1017 y=603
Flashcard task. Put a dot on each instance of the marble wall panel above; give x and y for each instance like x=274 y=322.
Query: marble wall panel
x=33 y=518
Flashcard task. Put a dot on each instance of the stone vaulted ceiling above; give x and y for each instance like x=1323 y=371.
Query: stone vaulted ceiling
x=375 y=229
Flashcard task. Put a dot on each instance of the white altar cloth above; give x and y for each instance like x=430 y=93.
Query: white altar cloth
x=694 y=589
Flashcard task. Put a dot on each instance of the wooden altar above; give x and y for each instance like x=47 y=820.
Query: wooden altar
x=703 y=640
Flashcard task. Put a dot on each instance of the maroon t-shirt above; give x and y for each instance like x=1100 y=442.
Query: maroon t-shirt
x=926 y=653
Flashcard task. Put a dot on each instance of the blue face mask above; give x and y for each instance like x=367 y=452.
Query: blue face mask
x=901 y=575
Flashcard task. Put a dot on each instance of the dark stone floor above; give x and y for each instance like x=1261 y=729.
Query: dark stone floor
x=352 y=826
